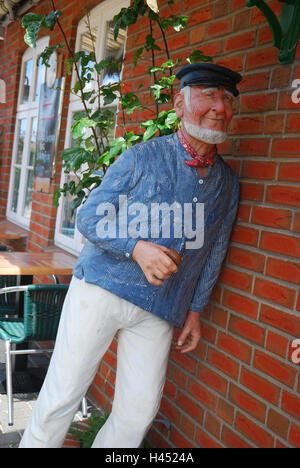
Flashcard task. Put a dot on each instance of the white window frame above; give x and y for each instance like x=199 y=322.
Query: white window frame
x=99 y=17
x=28 y=111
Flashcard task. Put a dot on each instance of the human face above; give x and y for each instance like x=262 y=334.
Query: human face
x=208 y=108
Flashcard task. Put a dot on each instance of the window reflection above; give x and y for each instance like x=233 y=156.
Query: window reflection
x=21 y=139
x=27 y=81
x=114 y=52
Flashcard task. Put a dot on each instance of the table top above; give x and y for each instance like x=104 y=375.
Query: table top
x=9 y=231
x=32 y=263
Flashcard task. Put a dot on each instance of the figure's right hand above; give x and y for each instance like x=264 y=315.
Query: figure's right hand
x=154 y=261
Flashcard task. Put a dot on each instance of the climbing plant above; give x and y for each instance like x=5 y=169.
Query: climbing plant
x=94 y=146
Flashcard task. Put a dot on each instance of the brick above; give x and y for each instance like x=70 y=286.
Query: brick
x=262 y=102
x=244 y=212
x=278 y=423
x=204 y=440
x=280 y=243
x=274 y=292
x=253 y=146
x=236 y=279
x=251 y=191
x=247 y=403
x=260 y=437
x=191 y=407
x=289 y=172
x=212 y=379
x=239 y=42
x=274 y=123
x=196 y=35
x=246 y=125
x=245 y=235
x=259 y=170
x=242 y=304
x=225 y=364
x=247 y=330
x=283 y=321
x=277 y=344
x=254 y=81
x=201 y=15
x=291 y=404
x=280 y=371
x=225 y=411
x=170 y=410
x=179 y=440
x=280 y=77
x=246 y=259
x=271 y=217
x=296 y=227
x=284 y=270
x=261 y=58
x=219 y=317
x=200 y=393
x=212 y=425
x=292 y=123
x=294 y=437
x=231 y=440
x=218 y=28
x=286 y=147
x=259 y=385
x=187 y=362
x=234 y=347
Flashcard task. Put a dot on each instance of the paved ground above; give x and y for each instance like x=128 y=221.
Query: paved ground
x=23 y=404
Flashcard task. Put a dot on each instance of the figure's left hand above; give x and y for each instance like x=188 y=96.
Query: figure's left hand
x=191 y=333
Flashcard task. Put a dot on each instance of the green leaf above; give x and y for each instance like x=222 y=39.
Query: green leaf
x=150 y=132
x=136 y=56
x=50 y=20
x=197 y=56
x=32 y=23
x=80 y=126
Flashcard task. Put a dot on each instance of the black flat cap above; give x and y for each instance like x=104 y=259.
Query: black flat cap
x=199 y=74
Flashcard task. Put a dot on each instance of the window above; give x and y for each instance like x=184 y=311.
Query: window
x=99 y=36
x=24 y=150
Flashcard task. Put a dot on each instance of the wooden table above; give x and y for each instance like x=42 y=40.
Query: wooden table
x=32 y=263
x=25 y=265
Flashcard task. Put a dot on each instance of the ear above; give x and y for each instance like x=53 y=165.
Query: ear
x=179 y=105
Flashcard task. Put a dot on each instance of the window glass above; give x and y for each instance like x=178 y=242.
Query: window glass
x=40 y=79
x=28 y=194
x=114 y=52
x=21 y=138
x=32 y=150
x=17 y=177
x=27 y=81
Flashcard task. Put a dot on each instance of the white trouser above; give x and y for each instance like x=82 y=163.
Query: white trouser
x=90 y=318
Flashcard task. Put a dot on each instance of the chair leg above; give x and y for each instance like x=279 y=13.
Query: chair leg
x=84 y=408
x=9 y=382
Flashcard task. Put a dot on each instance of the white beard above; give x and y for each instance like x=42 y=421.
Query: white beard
x=209 y=136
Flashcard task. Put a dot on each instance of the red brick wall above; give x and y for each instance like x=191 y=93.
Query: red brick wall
x=240 y=387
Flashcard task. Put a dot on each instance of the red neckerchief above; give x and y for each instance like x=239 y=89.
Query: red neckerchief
x=198 y=161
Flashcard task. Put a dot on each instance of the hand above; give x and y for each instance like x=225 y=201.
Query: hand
x=154 y=261
x=191 y=333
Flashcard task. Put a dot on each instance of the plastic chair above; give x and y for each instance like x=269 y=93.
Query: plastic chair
x=7 y=302
x=42 y=310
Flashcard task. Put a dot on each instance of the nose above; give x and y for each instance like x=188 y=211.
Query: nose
x=219 y=106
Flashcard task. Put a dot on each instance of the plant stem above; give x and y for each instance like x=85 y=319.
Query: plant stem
x=168 y=55
x=79 y=79
x=153 y=64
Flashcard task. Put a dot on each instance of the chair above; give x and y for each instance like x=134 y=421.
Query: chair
x=7 y=302
x=42 y=310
